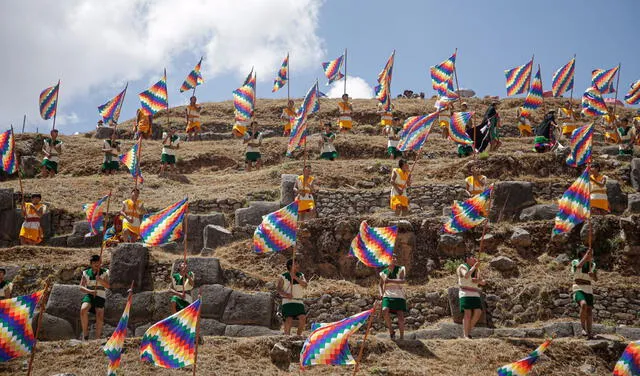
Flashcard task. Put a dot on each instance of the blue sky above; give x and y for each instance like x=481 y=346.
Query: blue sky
x=94 y=60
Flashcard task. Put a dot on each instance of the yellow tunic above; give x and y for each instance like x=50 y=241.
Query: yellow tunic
x=133 y=211
x=193 y=118
x=598 y=189
x=289 y=116
x=31 y=228
x=344 y=121
x=612 y=135
x=568 y=116
x=399 y=198
x=240 y=128
x=306 y=201
x=524 y=124
x=144 y=125
x=476 y=186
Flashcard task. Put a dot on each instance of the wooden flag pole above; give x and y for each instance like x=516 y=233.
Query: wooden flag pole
x=574 y=74
x=389 y=84
x=615 y=102
x=195 y=354
x=24 y=120
x=139 y=153
x=196 y=85
x=120 y=106
x=56 y=111
x=589 y=218
x=486 y=222
x=19 y=175
x=364 y=341
x=455 y=76
x=544 y=107
x=102 y=243
x=43 y=304
x=186 y=221
x=345 y=71
x=165 y=82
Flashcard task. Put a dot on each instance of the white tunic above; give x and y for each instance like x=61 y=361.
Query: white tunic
x=467 y=288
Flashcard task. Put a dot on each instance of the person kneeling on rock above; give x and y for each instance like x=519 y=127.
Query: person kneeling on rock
x=93 y=283
x=392 y=280
x=290 y=286
x=181 y=285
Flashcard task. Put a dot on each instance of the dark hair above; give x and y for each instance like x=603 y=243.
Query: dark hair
x=289 y=264
x=327 y=124
x=396 y=118
x=38 y=195
x=54 y=130
x=94 y=258
x=3 y=270
x=595 y=164
x=135 y=190
x=402 y=162
x=581 y=250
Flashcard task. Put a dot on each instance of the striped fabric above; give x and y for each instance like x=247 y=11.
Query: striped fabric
x=524 y=366
x=193 y=79
x=111 y=110
x=7 y=152
x=373 y=246
x=563 y=78
x=575 y=205
x=155 y=98
x=332 y=69
x=277 y=231
x=16 y=333
x=458 y=128
x=244 y=99
x=629 y=362
x=633 y=95
x=415 y=131
x=164 y=226
x=534 y=96
x=518 y=78
x=49 y=102
x=603 y=79
x=95 y=215
x=442 y=75
x=309 y=105
x=581 y=140
x=282 y=76
x=592 y=102
x=113 y=348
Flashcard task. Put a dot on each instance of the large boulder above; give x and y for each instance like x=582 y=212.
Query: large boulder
x=520 y=238
x=633 y=206
x=142 y=307
x=252 y=216
x=216 y=236
x=214 y=300
x=30 y=166
x=635 y=173
x=54 y=328
x=248 y=309
x=77 y=237
x=103 y=133
x=539 y=212
x=451 y=245
x=6 y=199
x=207 y=270
x=503 y=264
x=617 y=198
x=64 y=302
x=287 y=182
x=9 y=229
x=249 y=331
x=280 y=356
x=128 y=263
x=509 y=198
x=195 y=229
x=209 y=327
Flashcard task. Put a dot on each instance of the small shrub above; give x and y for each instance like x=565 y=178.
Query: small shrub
x=451 y=265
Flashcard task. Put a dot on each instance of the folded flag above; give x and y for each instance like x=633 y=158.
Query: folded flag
x=193 y=79
x=132 y=161
x=415 y=131
x=592 y=103
x=282 y=76
x=524 y=366
x=155 y=98
x=633 y=96
x=164 y=226
x=458 y=128
x=443 y=101
x=385 y=75
x=244 y=99
x=469 y=213
x=518 y=78
x=8 y=152
x=277 y=231
x=603 y=79
x=629 y=362
x=534 y=96
x=442 y=75
x=113 y=347
x=95 y=215
x=373 y=246
x=329 y=343
x=581 y=140
x=310 y=105
x=49 y=101
x=16 y=333
x=332 y=69
x=563 y=78
x=110 y=111
x=171 y=343
x=575 y=205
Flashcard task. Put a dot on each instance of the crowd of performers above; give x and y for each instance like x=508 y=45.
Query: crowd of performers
x=125 y=225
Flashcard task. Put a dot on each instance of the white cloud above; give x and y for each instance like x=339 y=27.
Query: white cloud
x=94 y=47
x=357 y=87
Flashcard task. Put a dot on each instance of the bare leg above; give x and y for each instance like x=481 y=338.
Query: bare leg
x=302 y=321
x=287 y=325
x=99 y=321
x=84 y=319
x=589 y=321
x=173 y=307
x=387 y=321
x=477 y=313
x=258 y=164
x=583 y=315
x=398 y=211
x=401 y=323
x=466 y=323
x=312 y=213
x=247 y=166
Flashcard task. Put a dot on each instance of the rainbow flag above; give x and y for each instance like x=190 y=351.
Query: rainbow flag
x=111 y=109
x=381 y=93
x=633 y=96
x=8 y=152
x=282 y=76
x=469 y=213
x=193 y=79
x=373 y=246
x=171 y=343
x=575 y=205
x=385 y=75
x=442 y=75
x=16 y=333
x=415 y=131
x=164 y=226
x=563 y=78
x=534 y=96
x=518 y=78
x=592 y=103
x=629 y=363
x=443 y=101
x=458 y=128
x=113 y=348
x=130 y=159
x=49 y=101
x=603 y=79
x=277 y=231
x=524 y=366
x=244 y=99
x=309 y=105
x=581 y=140
x=329 y=343
x=332 y=69
x=95 y=215
x=155 y=98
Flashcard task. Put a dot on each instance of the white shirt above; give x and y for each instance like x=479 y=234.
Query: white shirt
x=169 y=142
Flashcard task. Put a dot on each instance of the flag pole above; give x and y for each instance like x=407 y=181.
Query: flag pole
x=186 y=221
x=544 y=107
x=121 y=103
x=196 y=85
x=455 y=76
x=389 y=84
x=19 y=175
x=345 y=71
x=102 y=243
x=139 y=153
x=589 y=218
x=43 y=304
x=615 y=102
x=364 y=341
x=574 y=81
x=165 y=82
x=288 y=79
x=486 y=222
x=24 y=120
x=56 y=111
x=195 y=354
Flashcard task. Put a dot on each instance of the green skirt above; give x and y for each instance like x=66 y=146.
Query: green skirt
x=168 y=159
x=180 y=303
x=50 y=166
x=111 y=166
x=625 y=151
x=293 y=310
x=252 y=156
x=393 y=151
x=394 y=304
x=329 y=155
x=579 y=296
x=95 y=301
x=465 y=150
x=470 y=302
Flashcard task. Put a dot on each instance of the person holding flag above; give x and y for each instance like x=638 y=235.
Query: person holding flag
x=31 y=231
x=143 y=125
x=391 y=290
x=544 y=139
x=192 y=115
x=466 y=150
x=113 y=235
x=327 y=149
x=492 y=120
x=386 y=117
x=393 y=131
x=568 y=117
x=290 y=288
x=625 y=135
x=52 y=149
x=304 y=189
x=182 y=283
x=469 y=282
x=584 y=273
x=609 y=122
x=132 y=211
x=598 y=188
x=345 y=109
x=289 y=116
x=170 y=143
x=524 y=123
x=93 y=283
x=475 y=183
x=253 y=140
x=400 y=181
x=111 y=150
